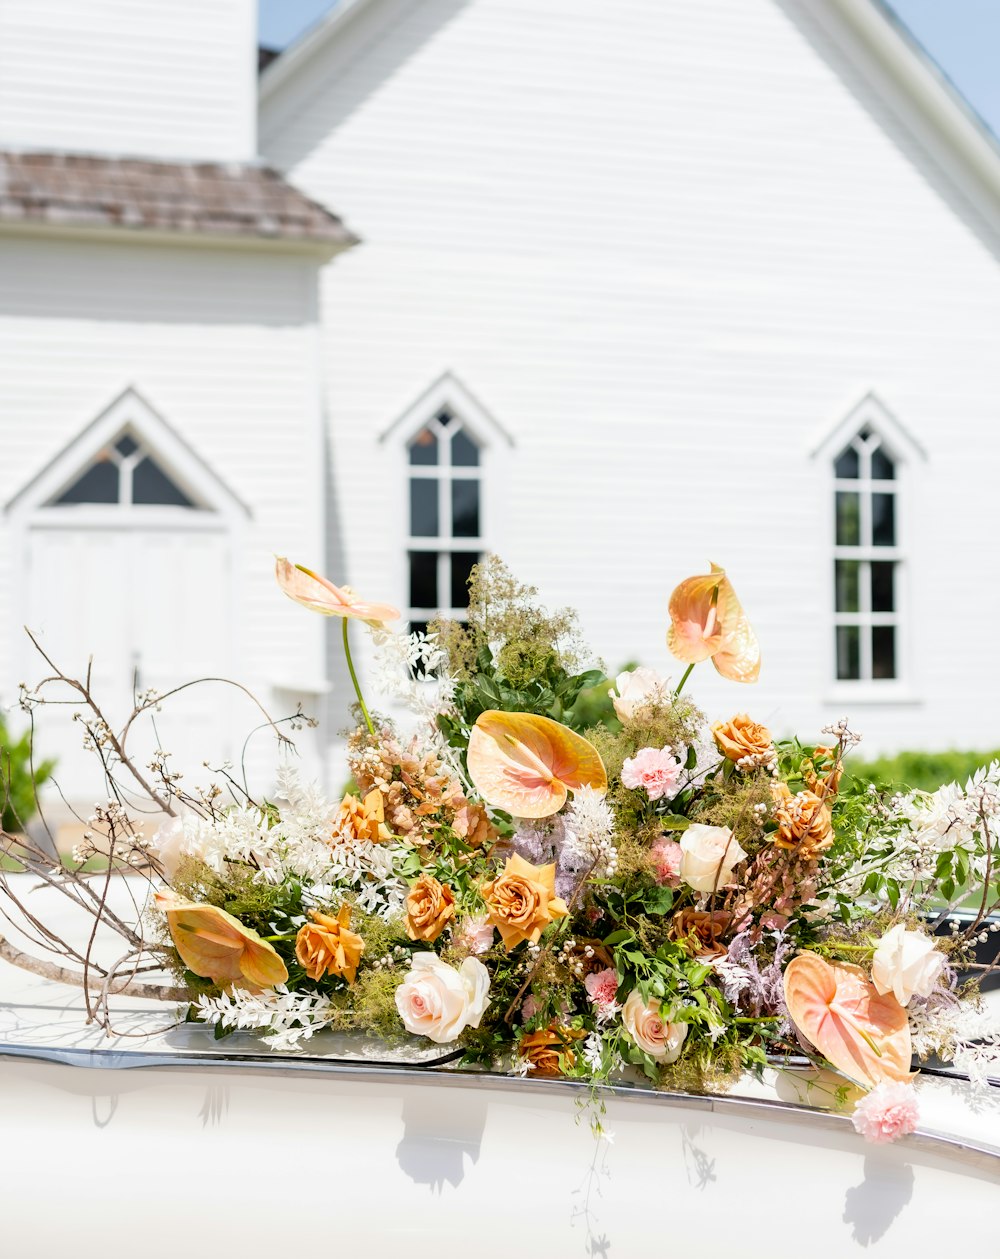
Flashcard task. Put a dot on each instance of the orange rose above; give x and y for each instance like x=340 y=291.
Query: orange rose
x=362 y=819
x=741 y=739
x=549 y=1049
x=522 y=901
x=429 y=906
x=701 y=932
x=823 y=772
x=325 y=946
x=804 y=822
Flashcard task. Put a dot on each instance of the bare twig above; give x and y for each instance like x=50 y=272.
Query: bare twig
x=60 y=975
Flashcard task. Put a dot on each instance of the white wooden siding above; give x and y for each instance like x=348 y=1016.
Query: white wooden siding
x=224 y=345
x=669 y=246
x=139 y=78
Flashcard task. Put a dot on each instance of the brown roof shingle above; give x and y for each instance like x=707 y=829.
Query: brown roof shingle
x=193 y=198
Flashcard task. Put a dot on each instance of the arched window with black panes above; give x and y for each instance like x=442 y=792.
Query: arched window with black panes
x=445 y=536
x=867 y=562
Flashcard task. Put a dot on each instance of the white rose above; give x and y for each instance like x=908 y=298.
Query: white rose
x=906 y=962
x=708 y=854
x=437 y=1001
x=645 y=1025
x=641 y=686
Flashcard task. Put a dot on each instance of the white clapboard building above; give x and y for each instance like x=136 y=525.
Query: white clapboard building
x=623 y=289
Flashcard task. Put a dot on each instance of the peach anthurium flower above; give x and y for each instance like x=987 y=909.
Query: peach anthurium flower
x=319 y=595
x=707 y=621
x=527 y=765
x=837 y=1008
x=217 y=946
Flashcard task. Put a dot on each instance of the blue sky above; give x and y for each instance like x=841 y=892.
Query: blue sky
x=963 y=37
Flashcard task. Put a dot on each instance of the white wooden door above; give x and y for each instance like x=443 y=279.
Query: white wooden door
x=152 y=606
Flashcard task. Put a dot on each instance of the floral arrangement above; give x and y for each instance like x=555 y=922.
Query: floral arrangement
x=561 y=875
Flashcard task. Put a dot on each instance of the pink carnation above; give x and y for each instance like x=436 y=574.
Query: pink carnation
x=656 y=770
x=601 y=988
x=665 y=862
x=889 y=1111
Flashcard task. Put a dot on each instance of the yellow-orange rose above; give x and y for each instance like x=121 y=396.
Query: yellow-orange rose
x=522 y=901
x=739 y=738
x=429 y=907
x=326 y=946
x=549 y=1049
x=804 y=822
x=362 y=819
x=823 y=772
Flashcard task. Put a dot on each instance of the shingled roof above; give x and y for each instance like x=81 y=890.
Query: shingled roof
x=225 y=200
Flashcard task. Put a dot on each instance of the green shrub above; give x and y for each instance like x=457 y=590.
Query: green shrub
x=17 y=787
x=924 y=770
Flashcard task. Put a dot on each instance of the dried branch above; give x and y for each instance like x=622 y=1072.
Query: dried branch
x=60 y=975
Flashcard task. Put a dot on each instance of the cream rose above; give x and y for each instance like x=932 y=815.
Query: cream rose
x=645 y=1025
x=640 y=687
x=906 y=963
x=708 y=855
x=437 y=1001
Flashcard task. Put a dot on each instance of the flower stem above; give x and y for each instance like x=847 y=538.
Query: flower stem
x=354 y=679
x=687 y=674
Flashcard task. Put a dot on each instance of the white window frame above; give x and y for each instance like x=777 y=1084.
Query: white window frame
x=447 y=395
x=907 y=456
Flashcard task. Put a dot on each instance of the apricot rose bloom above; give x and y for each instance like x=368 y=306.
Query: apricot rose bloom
x=548 y=1050
x=822 y=772
x=217 y=946
x=437 y=1001
x=317 y=594
x=362 y=819
x=739 y=738
x=804 y=822
x=707 y=622
x=326 y=946
x=429 y=907
x=644 y=1023
x=522 y=901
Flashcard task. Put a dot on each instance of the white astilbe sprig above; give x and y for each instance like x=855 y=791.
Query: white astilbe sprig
x=412 y=669
x=287 y=1018
x=964 y=1033
x=368 y=871
x=590 y=832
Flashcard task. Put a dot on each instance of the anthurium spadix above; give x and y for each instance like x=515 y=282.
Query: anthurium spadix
x=527 y=765
x=836 y=1007
x=217 y=946
x=707 y=622
x=319 y=595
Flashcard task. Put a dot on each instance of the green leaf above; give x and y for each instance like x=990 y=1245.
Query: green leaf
x=672 y=822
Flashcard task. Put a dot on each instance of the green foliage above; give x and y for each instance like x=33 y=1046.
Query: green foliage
x=19 y=784
x=923 y=770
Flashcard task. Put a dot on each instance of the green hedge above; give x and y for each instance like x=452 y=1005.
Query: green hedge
x=925 y=770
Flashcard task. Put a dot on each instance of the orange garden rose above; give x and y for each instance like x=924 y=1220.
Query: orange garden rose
x=822 y=772
x=326 y=946
x=547 y=1050
x=429 y=907
x=707 y=622
x=362 y=819
x=804 y=822
x=217 y=946
x=700 y=931
x=522 y=901
x=739 y=738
